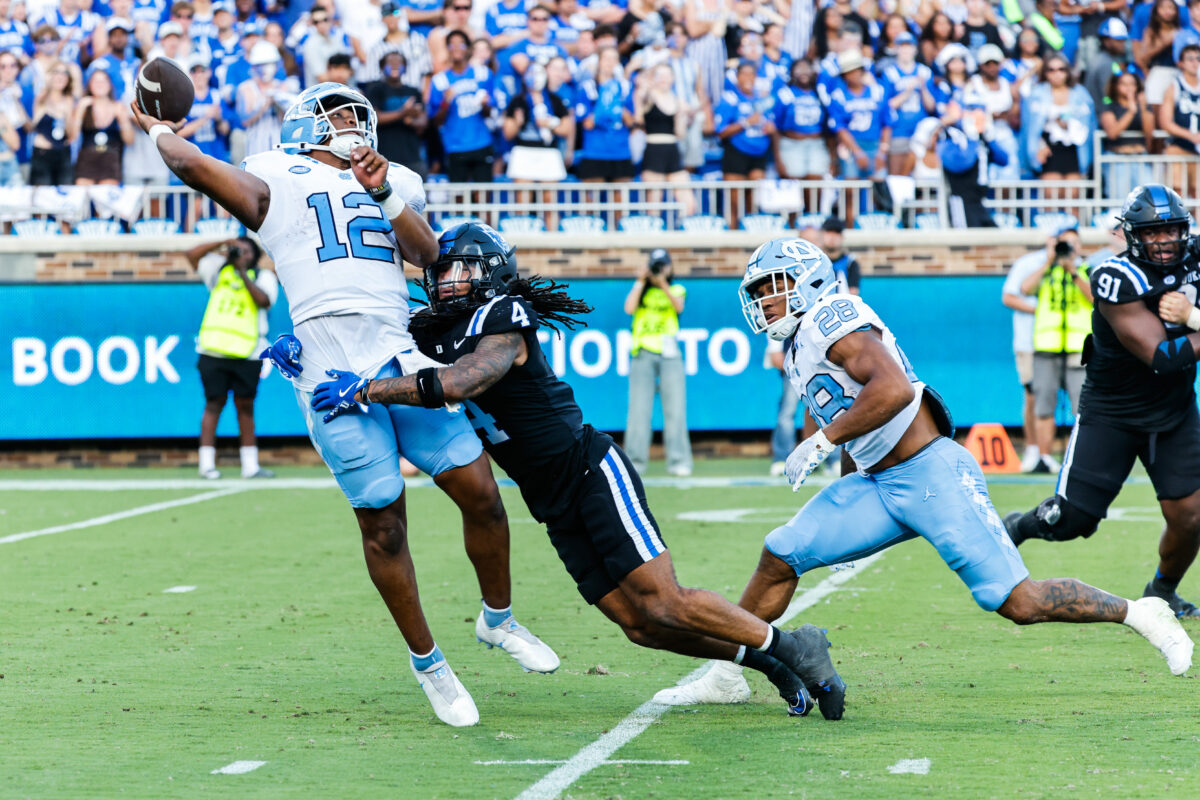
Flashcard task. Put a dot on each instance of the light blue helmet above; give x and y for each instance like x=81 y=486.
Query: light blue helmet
x=307 y=126
x=811 y=278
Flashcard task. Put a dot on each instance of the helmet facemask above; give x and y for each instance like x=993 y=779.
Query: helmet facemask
x=453 y=282
x=768 y=288
x=311 y=119
x=1166 y=251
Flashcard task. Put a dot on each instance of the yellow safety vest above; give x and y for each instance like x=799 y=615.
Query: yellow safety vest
x=655 y=319
x=1063 y=317
x=230 y=324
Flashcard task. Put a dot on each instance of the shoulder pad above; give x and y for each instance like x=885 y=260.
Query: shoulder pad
x=833 y=318
x=1119 y=280
x=501 y=315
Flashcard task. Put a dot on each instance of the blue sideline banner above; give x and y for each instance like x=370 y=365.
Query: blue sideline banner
x=118 y=360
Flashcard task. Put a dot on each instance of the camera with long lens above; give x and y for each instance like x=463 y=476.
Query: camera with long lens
x=235 y=252
x=1063 y=248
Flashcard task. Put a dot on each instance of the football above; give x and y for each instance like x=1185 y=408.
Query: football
x=164 y=90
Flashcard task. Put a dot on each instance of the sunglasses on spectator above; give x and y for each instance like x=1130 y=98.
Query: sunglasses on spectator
x=46 y=40
x=185 y=15
x=461 y=8
x=1056 y=69
x=539 y=19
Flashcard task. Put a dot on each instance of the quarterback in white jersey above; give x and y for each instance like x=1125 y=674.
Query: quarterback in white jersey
x=913 y=479
x=339 y=221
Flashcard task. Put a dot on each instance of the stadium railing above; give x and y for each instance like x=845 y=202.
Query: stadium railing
x=575 y=207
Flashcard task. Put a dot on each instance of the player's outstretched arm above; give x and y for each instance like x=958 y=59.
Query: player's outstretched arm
x=416 y=239
x=468 y=377
x=1143 y=335
x=245 y=196
x=886 y=388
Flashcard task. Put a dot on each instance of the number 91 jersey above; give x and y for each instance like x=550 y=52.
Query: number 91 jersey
x=827 y=389
x=334 y=251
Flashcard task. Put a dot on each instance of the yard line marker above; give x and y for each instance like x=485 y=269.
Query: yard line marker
x=238 y=768
x=597 y=753
x=119 y=515
x=666 y=763
x=179 y=589
x=915 y=766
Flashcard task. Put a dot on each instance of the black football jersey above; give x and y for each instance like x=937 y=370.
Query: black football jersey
x=1119 y=388
x=528 y=420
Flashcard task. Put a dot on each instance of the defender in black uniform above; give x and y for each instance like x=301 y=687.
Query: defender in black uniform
x=483 y=320
x=1138 y=399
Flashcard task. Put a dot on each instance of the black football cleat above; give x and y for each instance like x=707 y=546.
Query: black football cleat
x=816 y=670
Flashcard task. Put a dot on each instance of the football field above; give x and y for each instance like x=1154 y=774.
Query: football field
x=162 y=636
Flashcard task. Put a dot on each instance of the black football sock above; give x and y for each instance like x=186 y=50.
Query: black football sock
x=780 y=676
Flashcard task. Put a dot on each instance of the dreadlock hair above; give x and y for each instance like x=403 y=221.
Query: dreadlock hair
x=553 y=305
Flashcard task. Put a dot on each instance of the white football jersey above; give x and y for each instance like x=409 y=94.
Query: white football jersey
x=337 y=259
x=826 y=387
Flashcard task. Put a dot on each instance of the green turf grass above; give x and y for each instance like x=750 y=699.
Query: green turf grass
x=285 y=654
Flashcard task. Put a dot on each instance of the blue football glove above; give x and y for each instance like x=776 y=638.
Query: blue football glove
x=337 y=396
x=285 y=355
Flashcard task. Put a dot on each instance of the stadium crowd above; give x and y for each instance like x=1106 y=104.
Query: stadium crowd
x=609 y=89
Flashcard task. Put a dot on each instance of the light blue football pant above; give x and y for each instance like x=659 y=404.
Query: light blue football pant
x=939 y=494
x=363 y=450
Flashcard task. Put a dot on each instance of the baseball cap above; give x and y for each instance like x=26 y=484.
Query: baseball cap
x=388 y=8
x=252 y=29
x=904 y=37
x=989 y=53
x=196 y=59
x=1066 y=226
x=169 y=29
x=833 y=225
x=222 y=5
x=263 y=53
x=849 y=60
x=659 y=256
x=119 y=23
x=1114 y=28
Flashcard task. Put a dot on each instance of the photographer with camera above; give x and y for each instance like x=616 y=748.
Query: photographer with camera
x=233 y=330
x=1061 y=323
x=656 y=365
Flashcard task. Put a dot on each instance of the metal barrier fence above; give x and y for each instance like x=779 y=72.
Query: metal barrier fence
x=713 y=205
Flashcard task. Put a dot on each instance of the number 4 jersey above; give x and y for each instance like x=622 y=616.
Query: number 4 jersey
x=528 y=420
x=337 y=259
x=827 y=389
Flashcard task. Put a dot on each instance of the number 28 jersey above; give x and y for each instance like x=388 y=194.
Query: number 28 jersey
x=337 y=259
x=827 y=389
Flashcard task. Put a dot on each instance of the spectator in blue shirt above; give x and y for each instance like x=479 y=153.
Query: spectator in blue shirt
x=745 y=122
x=80 y=30
x=119 y=62
x=860 y=118
x=1058 y=122
x=538 y=47
x=461 y=100
x=605 y=113
x=954 y=66
x=506 y=23
x=205 y=125
x=423 y=15
x=801 y=148
x=903 y=82
x=14 y=34
x=775 y=59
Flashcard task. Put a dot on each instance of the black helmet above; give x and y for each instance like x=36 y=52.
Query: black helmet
x=489 y=261
x=1155 y=206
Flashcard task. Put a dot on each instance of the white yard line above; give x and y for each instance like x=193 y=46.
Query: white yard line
x=119 y=515
x=597 y=753
x=238 y=768
x=544 y=761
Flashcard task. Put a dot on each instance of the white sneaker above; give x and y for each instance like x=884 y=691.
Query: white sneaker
x=1051 y=462
x=778 y=468
x=1031 y=458
x=209 y=474
x=512 y=637
x=680 y=472
x=1153 y=618
x=722 y=684
x=446 y=694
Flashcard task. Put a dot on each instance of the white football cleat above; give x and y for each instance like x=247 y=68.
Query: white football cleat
x=512 y=637
x=1031 y=458
x=723 y=684
x=447 y=695
x=210 y=474
x=1153 y=618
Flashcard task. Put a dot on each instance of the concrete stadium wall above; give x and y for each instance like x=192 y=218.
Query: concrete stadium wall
x=74 y=259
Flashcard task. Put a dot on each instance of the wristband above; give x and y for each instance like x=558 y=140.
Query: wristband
x=1193 y=320
x=393 y=206
x=381 y=193
x=429 y=387
x=364 y=393
x=157 y=130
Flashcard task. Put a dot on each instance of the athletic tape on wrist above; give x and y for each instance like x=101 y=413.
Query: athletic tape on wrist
x=1193 y=320
x=393 y=206
x=158 y=130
